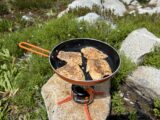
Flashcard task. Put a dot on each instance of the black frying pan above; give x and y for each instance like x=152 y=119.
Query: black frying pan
x=75 y=45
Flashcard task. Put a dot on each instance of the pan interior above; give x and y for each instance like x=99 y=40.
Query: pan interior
x=76 y=45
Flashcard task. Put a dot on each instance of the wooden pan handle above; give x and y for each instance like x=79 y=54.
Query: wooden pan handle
x=36 y=50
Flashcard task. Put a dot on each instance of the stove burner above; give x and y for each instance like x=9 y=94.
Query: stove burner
x=82 y=95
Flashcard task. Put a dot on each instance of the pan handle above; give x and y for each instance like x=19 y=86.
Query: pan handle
x=36 y=50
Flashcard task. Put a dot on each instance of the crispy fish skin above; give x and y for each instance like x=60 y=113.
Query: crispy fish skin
x=72 y=71
x=70 y=57
x=98 y=68
x=93 y=53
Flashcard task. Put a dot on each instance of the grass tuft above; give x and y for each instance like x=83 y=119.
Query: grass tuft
x=126 y=68
x=5 y=25
x=28 y=4
x=117 y=104
x=156 y=108
x=153 y=58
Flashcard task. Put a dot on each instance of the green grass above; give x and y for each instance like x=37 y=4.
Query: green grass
x=36 y=70
x=153 y=58
x=5 y=25
x=27 y=4
x=126 y=68
x=3 y=8
x=133 y=115
x=117 y=104
x=156 y=108
x=32 y=4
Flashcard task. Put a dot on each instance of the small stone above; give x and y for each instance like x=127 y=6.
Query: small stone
x=126 y=99
x=121 y=94
x=146 y=80
x=138 y=43
x=27 y=18
x=63 y=13
x=50 y=13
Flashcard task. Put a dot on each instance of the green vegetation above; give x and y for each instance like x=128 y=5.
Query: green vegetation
x=153 y=58
x=24 y=4
x=30 y=4
x=133 y=115
x=156 y=108
x=8 y=73
x=128 y=23
x=126 y=67
x=3 y=8
x=117 y=104
x=26 y=74
x=5 y=25
x=143 y=1
x=83 y=11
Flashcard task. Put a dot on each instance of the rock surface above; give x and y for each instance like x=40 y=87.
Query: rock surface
x=90 y=17
x=127 y=1
x=138 y=43
x=27 y=18
x=154 y=2
x=56 y=89
x=149 y=10
x=93 y=17
x=81 y=4
x=84 y=3
x=115 y=5
x=146 y=81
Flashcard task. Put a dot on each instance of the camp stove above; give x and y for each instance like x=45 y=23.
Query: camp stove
x=82 y=95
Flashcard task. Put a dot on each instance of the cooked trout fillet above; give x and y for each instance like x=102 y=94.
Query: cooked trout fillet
x=71 y=71
x=93 y=53
x=98 y=68
x=70 y=57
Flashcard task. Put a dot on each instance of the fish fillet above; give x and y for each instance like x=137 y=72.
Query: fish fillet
x=70 y=57
x=98 y=68
x=71 y=71
x=93 y=53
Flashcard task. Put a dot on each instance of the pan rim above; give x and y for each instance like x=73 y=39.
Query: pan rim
x=86 y=82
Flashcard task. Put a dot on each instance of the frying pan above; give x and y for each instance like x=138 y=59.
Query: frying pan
x=75 y=45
